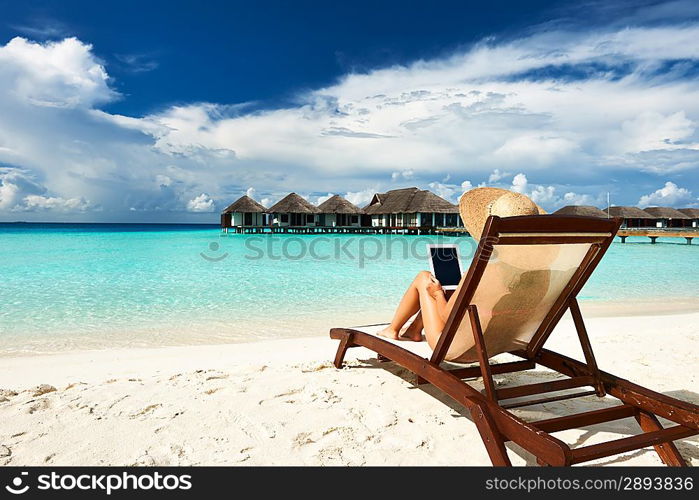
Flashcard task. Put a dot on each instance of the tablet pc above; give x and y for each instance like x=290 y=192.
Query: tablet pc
x=445 y=264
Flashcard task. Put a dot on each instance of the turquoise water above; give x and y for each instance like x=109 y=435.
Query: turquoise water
x=90 y=286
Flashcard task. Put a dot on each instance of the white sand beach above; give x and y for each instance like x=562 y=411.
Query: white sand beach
x=282 y=403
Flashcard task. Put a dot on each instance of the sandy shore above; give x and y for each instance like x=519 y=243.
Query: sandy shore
x=281 y=402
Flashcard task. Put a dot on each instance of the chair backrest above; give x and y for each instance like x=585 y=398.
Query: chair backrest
x=522 y=278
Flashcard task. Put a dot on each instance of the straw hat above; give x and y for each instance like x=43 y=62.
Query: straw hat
x=476 y=205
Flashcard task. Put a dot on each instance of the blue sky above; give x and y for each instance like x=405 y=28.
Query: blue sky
x=168 y=111
x=266 y=51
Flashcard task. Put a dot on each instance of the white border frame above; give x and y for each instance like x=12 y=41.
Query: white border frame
x=430 y=246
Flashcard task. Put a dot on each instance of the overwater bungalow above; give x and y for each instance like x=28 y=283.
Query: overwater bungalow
x=243 y=213
x=582 y=211
x=669 y=217
x=294 y=211
x=412 y=208
x=693 y=214
x=338 y=212
x=633 y=217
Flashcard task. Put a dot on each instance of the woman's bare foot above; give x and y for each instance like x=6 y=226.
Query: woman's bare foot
x=389 y=332
x=413 y=332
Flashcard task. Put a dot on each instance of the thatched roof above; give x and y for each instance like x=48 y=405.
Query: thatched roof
x=244 y=204
x=691 y=212
x=338 y=205
x=293 y=204
x=408 y=201
x=581 y=210
x=666 y=213
x=628 y=213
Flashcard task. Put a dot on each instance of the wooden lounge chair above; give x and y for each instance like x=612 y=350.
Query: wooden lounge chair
x=510 y=267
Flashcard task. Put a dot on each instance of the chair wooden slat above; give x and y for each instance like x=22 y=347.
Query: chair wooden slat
x=562 y=397
x=601 y=450
x=586 y=418
x=539 y=388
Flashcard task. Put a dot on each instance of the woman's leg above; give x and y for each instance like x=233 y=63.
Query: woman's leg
x=414 y=330
x=434 y=311
x=408 y=306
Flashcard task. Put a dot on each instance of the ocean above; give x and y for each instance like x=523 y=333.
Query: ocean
x=88 y=286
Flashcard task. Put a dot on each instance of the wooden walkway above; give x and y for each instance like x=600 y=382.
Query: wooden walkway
x=655 y=233
x=422 y=230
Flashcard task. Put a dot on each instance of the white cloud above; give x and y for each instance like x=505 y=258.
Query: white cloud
x=20 y=192
x=250 y=192
x=497 y=176
x=447 y=191
x=15 y=184
x=361 y=198
x=535 y=149
x=201 y=203
x=652 y=130
x=38 y=202
x=572 y=198
x=323 y=199
x=57 y=74
x=520 y=183
x=548 y=197
x=405 y=174
x=668 y=195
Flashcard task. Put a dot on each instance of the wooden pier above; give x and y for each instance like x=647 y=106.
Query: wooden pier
x=655 y=233
x=423 y=230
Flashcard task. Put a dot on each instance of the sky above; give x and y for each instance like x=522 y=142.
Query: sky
x=169 y=111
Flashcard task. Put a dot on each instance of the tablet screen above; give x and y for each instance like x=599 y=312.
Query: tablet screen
x=445 y=262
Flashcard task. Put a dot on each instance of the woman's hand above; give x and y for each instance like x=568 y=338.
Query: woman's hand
x=434 y=288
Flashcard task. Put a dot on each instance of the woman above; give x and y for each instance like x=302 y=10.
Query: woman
x=425 y=294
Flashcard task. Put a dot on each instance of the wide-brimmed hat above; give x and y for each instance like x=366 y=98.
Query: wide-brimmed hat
x=476 y=205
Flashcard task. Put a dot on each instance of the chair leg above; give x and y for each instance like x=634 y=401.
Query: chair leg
x=494 y=444
x=482 y=353
x=586 y=346
x=345 y=343
x=667 y=452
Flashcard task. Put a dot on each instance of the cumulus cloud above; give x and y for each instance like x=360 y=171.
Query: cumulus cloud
x=20 y=192
x=38 y=202
x=612 y=108
x=201 y=203
x=361 y=198
x=669 y=195
x=550 y=196
x=57 y=74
